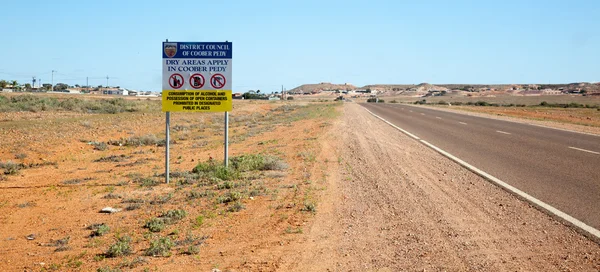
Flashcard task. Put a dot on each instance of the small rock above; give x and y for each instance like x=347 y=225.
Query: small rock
x=31 y=236
x=251 y=198
x=215 y=270
x=109 y=210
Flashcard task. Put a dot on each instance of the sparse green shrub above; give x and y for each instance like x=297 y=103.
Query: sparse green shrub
x=174 y=215
x=100 y=146
x=236 y=207
x=198 y=221
x=20 y=156
x=145 y=140
x=148 y=182
x=108 y=269
x=309 y=207
x=99 y=229
x=421 y=102
x=160 y=247
x=113 y=158
x=191 y=250
x=121 y=247
x=274 y=163
x=155 y=224
x=196 y=194
x=290 y=98
x=10 y=168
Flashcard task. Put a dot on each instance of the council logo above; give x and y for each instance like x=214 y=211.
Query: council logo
x=170 y=49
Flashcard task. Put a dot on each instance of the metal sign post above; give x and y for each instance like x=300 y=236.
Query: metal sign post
x=226 y=139
x=168 y=124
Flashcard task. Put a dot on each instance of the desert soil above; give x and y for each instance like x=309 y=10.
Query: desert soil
x=383 y=201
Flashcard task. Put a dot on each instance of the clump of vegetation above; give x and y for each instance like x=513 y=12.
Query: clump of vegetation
x=309 y=207
x=121 y=247
x=62 y=244
x=375 y=100
x=238 y=164
x=161 y=199
x=108 y=269
x=569 y=105
x=99 y=229
x=157 y=224
x=236 y=207
x=211 y=169
x=76 y=181
x=10 y=168
x=100 y=146
x=147 y=182
x=229 y=197
x=196 y=194
x=20 y=156
x=160 y=247
x=113 y=158
x=145 y=140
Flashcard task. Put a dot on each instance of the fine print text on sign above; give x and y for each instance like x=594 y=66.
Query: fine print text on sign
x=196 y=101
x=201 y=68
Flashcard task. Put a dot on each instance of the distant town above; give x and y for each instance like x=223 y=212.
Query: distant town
x=14 y=86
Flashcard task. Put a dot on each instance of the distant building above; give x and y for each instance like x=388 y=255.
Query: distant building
x=72 y=91
x=551 y=92
x=115 y=91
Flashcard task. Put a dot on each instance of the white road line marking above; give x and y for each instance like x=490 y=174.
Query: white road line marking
x=503 y=132
x=462 y=123
x=411 y=111
x=585 y=150
x=422 y=113
x=542 y=205
x=438 y=117
x=396 y=127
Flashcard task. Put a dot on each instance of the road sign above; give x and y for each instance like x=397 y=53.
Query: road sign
x=218 y=81
x=188 y=65
x=197 y=81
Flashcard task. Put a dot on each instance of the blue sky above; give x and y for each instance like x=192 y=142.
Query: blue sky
x=294 y=42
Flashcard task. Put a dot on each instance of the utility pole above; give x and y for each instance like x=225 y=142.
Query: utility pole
x=87 y=84
x=53 y=80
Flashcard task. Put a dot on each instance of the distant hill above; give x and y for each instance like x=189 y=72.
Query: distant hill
x=424 y=88
x=323 y=86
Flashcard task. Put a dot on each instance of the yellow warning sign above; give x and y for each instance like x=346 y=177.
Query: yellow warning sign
x=196 y=101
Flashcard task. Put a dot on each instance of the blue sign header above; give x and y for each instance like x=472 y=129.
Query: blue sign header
x=196 y=50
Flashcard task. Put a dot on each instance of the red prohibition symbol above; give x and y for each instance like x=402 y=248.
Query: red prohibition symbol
x=176 y=81
x=197 y=81
x=217 y=81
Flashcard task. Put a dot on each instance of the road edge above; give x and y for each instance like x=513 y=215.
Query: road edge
x=584 y=229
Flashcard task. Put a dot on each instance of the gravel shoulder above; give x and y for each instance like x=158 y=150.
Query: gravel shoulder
x=395 y=205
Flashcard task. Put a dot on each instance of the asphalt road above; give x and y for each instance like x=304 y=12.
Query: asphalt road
x=558 y=167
